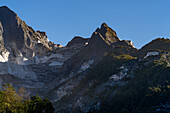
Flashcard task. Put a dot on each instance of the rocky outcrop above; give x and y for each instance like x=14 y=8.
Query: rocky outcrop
x=98 y=86
x=78 y=41
x=77 y=66
x=79 y=76
x=157 y=44
x=124 y=43
x=106 y=34
x=18 y=71
x=99 y=43
x=19 y=39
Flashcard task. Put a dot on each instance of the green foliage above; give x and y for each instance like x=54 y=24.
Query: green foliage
x=38 y=105
x=11 y=102
x=149 y=87
x=160 y=63
x=123 y=57
x=109 y=65
x=159 y=93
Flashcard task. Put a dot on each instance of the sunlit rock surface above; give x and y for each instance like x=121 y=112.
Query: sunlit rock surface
x=69 y=75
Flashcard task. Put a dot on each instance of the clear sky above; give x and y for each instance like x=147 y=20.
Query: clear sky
x=138 y=20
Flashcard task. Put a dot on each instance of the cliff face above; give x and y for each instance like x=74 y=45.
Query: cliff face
x=107 y=34
x=84 y=75
x=93 y=48
x=20 y=40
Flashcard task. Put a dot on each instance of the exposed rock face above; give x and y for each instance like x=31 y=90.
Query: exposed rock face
x=76 y=68
x=78 y=41
x=99 y=43
x=124 y=43
x=78 y=77
x=19 y=71
x=19 y=39
x=1 y=38
x=157 y=44
x=107 y=34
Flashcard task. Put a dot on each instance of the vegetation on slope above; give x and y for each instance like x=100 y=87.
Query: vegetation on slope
x=96 y=76
x=11 y=102
x=157 y=44
x=150 y=87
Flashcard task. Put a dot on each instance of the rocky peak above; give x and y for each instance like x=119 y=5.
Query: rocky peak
x=99 y=43
x=18 y=38
x=78 y=41
x=105 y=29
x=41 y=35
x=6 y=14
x=157 y=44
x=104 y=25
x=103 y=36
x=5 y=9
x=105 y=33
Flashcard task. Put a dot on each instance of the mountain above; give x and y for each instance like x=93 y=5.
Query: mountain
x=20 y=40
x=100 y=74
x=157 y=44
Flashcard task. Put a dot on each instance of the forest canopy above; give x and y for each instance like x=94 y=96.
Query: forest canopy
x=12 y=102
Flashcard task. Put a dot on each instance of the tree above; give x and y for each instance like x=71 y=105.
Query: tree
x=38 y=105
x=11 y=102
x=23 y=93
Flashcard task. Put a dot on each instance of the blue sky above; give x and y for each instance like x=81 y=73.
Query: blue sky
x=138 y=20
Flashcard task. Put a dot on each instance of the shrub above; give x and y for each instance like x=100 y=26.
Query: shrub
x=11 y=102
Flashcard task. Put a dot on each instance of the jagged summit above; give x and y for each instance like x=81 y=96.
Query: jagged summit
x=4 y=7
x=105 y=28
x=5 y=10
x=23 y=42
x=19 y=39
x=104 y=25
x=105 y=34
x=87 y=74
